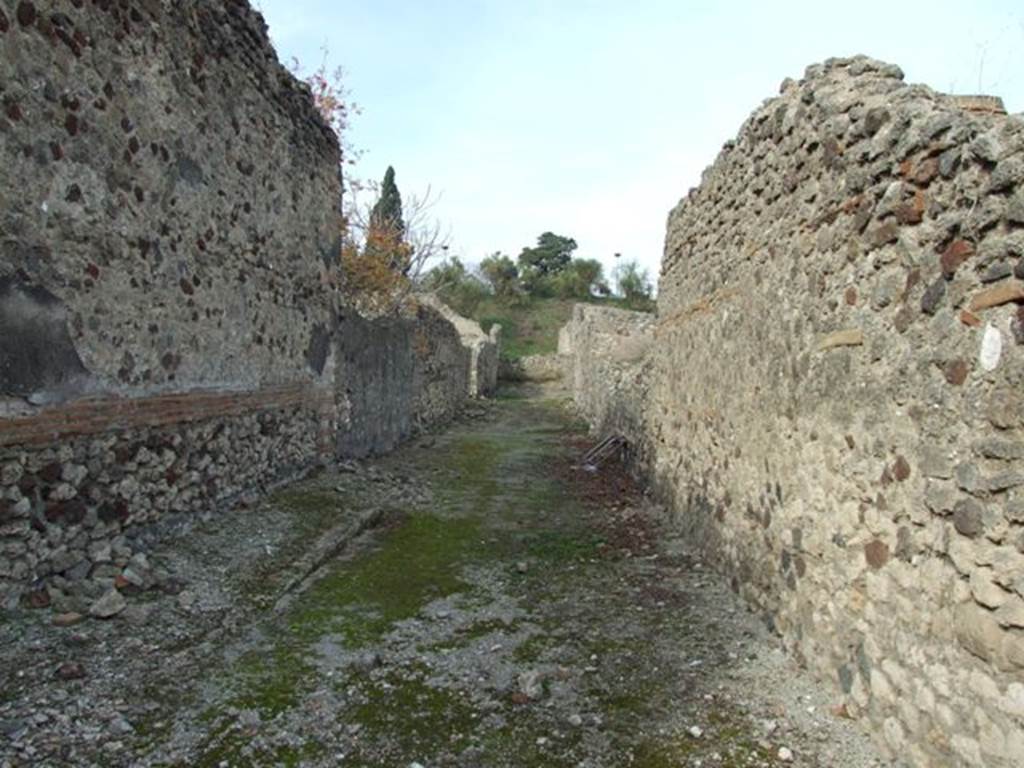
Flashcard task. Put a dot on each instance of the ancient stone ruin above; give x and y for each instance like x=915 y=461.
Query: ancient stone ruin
x=171 y=337
x=831 y=399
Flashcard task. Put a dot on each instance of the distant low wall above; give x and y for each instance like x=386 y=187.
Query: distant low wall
x=537 y=368
x=443 y=369
x=399 y=375
x=483 y=348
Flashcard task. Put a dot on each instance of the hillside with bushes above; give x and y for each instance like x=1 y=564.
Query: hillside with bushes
x=532 y=297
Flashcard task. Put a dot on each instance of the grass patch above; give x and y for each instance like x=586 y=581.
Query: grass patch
x=359 y=600
x=521 y=746
x=730 y=750
x=497 y=501
x=271 y=681
x=411 y=717
x=554 y=546
x=416 y=563
x=726 y=739
x=530 y=650
x=530 y=326
x=232 y=745
x=484 y=628
x=474 y=479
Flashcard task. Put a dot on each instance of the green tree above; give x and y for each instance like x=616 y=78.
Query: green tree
x=455 y=286
x=634 y=284
x=501 y=272
x=578 y=280
x=386 y=230
x=550 y=256
x=387 y=211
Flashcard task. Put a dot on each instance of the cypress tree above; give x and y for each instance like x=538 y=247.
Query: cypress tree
x=386 y=215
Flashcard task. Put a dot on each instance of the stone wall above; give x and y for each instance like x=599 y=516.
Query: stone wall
x=397 y=376
x=168 y=206
x=374 y=384
x=168 y=224
x=835 y=397
x=607 y=352
x=442 y=368
x=170 y=338
x=108 y=476
x=483 y=348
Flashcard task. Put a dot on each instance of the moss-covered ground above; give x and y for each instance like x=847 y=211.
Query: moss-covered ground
x=430 y=622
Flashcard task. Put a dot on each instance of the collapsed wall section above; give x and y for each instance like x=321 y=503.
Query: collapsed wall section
x=833 y=403
x=483 y=347
x=168 y=217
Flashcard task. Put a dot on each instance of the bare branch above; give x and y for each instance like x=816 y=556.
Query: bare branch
x=383 y=268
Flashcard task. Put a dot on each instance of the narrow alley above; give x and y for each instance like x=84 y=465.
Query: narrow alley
x=473 y=599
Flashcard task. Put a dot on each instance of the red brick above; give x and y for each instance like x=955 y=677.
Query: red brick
x=104 y=414
x=969 y=318
x=956 y=253
x=876 y=553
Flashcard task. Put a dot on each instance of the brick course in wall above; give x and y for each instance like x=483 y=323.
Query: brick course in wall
x=95 y=415
x=95 y=481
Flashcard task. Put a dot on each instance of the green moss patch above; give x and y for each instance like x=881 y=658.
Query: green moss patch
x=404 y=715
x=360 y=600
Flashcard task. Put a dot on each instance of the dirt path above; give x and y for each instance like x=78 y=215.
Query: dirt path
x=508 y=610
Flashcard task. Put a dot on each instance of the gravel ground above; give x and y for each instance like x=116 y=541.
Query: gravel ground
x=471 y=600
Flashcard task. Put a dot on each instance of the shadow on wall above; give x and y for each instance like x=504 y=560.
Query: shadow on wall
x=38 y=360
x=399 y=375
x=376 y=366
